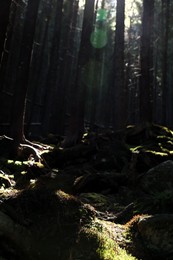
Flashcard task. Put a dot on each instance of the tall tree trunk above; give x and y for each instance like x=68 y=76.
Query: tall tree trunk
x=7 y=42
x=65 y=68
x=50 y=89
x=165 y=88
x=38 y=63
x=76 y=127
x=18 y=111
x=4 y=17
x=146 y=82
x=119 y=93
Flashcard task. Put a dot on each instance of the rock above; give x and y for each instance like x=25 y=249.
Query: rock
x=97 y=200
x=35 y=223
x=157 y=185
x=157 y=234
x=99 y=182
x=159 y=178
x=112 y=155
x=42 y=225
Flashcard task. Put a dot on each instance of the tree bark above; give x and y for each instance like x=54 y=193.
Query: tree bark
x=146 y=82
x=165 y=88
x=119 y=93
x=19 y=99
x=65 y=69
x=4 y=14
x=38 y=64
x=76 y=127
x=50 y=89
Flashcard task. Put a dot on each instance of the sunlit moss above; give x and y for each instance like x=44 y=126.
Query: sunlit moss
x=94 y=244
x=123 y=255
x=97 y=241
x=65 y=195
x=10 y=161
x=23 y=172
x=18 y=163
x=156 y=153
x=136 y=148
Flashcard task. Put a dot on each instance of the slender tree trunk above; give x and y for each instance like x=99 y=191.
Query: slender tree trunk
x=18 y=111
x=6 y=25
x=119 y=101
x=39 y=64
x=65 y=68
x=165 y=91
x=146 y=83
x=131 y=94
x=4 y=19
x=50 y=89
x=10 y=55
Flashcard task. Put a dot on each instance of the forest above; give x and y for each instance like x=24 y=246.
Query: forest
x=86 y=129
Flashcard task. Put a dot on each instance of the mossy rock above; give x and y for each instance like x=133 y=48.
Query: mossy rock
x=40 y=224
x=97 y=200
x=43 y=225
x=158 y=178
x=99 y=242
x=101 y=202
x=156 y=232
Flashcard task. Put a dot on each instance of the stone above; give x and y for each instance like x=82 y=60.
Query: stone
x=159 y=178
x=157 y=234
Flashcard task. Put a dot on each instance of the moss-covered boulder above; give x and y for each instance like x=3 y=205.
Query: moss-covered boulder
x=157 y=185
x=158 y=178
x=42 y=224
x=157 y=233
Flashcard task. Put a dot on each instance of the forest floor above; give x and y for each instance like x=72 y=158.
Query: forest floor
x=108 y=198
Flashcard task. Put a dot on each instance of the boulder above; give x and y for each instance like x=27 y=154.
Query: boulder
x=159 y=178
x=157 y=232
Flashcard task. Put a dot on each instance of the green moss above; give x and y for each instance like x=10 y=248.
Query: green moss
x=93 y=244
x=15 y=166
x=94 y=198
x=97 y=200
x=136 y=148
x=96 y=242
x=106 y=249
x=123 y=255
x=156 y=153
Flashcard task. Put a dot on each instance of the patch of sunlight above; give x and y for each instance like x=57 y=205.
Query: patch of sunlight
x=18 y=163
x=131 y=11
x=10 y=161
x=39 y=164
x=64 y=195
x=23 y=172
x=156 y=153
x=108 y=248
x=136 y=148
x=122 y=254
x=81 y=3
